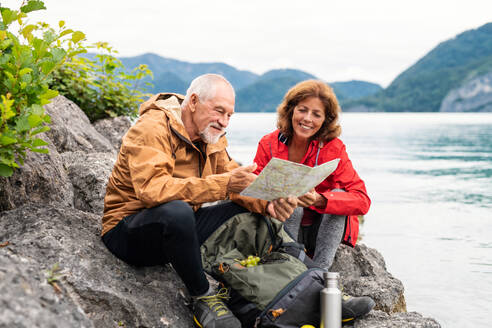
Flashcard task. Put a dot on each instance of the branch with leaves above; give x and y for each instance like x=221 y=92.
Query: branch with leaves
x=28 y=58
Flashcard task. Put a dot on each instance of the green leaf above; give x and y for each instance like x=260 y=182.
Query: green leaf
x=40 y=130
x=8 y=16
x=26 y=31
x=61 y=23
x=74 y=53
x=33 y=5
x=40 y=47
x=26 y=78
x=41 y=150
x=10 y=76
x=34 y=120
x=25 y=70
x=4 y=58
x=5 y=171
x=58 y=54
x=22 y=124
x=39 y=142
x=5 y=44
x=49 y=36
x=4 y=140
x=37 y=109
x=47 y=66
x=65 y=32
x=48 y=94
x=9 y=113
x=77 y=36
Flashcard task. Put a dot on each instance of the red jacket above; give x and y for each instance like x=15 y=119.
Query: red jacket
x=352 y=203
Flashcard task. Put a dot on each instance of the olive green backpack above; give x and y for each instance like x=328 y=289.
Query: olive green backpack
x=280 y=291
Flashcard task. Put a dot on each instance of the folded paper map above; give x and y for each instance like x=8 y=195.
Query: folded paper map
x=281 y=178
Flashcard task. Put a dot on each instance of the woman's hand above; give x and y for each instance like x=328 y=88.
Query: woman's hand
x=282 y=208
x=311 y=198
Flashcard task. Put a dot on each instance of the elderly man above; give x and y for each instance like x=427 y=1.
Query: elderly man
x=170 y=162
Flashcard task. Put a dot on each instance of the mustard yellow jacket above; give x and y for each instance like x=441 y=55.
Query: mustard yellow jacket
x=158 y=163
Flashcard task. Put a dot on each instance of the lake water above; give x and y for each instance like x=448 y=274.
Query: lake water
x=429 y=176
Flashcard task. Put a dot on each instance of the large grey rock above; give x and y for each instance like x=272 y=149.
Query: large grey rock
x=105 y=288
x=27 y=300
x=71 y=130
x=363 y=272
x=379 y=319
x=473 y=96
x=89 y=173
x=42 y=179
x=113 y=129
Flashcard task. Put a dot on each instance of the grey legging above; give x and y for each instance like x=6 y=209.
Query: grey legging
x=329 y=235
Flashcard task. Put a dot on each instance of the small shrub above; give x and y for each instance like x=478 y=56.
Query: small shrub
x=37 y=63
x=27 y=60
x=100 y=85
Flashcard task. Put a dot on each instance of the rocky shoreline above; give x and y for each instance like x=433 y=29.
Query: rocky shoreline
x=56 y=272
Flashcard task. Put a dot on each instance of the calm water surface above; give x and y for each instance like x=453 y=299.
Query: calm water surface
x=430 y=180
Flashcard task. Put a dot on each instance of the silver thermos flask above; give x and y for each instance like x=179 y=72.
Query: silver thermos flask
x=331 y=302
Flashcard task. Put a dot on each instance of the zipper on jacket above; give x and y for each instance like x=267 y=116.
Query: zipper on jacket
x=200 y=158
x=349 y=229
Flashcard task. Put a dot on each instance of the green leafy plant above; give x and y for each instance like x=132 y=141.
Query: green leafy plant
x=28 y=59
x=53 y=276
x=100 y=84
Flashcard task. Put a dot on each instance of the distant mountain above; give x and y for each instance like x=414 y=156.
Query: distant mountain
x=254 y=93
x=352 y=90
x=285 y=72
x=267 y=92
x=473 y=96
x=269 y=89
x=186 y=72
x=449 y=66
x=169 y=82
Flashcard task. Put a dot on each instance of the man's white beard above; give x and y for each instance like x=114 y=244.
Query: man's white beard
x=209 y=137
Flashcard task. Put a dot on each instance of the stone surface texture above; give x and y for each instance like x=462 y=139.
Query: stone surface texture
x=42 y=179
x=107 y=290
x=50 y=213
x=363 y=272
x=380 y=319
x=71 y=130
x=473 y=96
x=113 y=129
x=89 y=173
x=27 y=300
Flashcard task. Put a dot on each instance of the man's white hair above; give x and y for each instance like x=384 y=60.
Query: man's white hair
x=204 y=86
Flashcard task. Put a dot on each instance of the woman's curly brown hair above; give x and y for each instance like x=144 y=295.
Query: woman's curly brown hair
x=303 y=90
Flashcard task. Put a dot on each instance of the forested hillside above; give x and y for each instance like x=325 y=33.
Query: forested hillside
x=423 y=86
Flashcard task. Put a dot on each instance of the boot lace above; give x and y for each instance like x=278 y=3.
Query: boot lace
x=216 y=303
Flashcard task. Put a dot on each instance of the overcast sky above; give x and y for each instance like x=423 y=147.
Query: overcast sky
x=334 y=40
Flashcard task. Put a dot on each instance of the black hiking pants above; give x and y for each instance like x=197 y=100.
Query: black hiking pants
x=170 y=233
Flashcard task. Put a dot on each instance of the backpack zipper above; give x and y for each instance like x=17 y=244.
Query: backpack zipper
x=283 y=292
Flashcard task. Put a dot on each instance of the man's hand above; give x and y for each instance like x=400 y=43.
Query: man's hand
x=282 y=208
x=241 y=177
x=311 y=198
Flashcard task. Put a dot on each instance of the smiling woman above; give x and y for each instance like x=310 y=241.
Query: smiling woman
x=308 y=131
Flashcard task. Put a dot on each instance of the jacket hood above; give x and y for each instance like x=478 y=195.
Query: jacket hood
x=163 y=101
